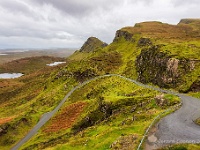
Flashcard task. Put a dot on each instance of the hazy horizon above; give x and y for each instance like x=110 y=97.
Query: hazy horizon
x=34 y=49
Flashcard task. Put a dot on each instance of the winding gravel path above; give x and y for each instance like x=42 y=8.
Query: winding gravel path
x=177 y=127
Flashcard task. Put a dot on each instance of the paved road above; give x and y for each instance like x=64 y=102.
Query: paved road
x=48 y=115
x=177 y=127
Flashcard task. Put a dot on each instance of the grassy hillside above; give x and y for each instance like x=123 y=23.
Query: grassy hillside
x=109 y=112
x=22 y=101
x=102 y=114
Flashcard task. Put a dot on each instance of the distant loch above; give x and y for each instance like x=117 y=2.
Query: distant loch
x=55 y=63
x=10 y=75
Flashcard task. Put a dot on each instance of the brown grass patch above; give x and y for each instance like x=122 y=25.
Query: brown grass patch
x=9 y=84
x=5 y=120
x=66 y=118
x=163 y=30
x=28 y=65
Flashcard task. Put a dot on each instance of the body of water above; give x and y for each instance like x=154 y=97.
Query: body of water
x=55 y=63
x=10 y=75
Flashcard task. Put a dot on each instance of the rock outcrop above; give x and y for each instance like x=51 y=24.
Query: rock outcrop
x=144 y=42
x=195 y=87
x=158 y=68
x=92 y=44
x=125 y=34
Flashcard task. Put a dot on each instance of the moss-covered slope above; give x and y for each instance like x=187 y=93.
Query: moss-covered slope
x=109 y=111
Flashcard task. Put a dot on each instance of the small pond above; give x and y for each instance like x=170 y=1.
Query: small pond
x=55 y=63
x=10 y=75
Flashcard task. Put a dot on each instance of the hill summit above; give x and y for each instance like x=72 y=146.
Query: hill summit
x=91 y=44
x=185 y=29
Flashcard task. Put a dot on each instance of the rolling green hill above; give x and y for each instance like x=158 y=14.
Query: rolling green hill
x=108 y=113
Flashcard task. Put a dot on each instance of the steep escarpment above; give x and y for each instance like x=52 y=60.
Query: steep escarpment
x=125 y=34
x=161 y=69
x=167 y=55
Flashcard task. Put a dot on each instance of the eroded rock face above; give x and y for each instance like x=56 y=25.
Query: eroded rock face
x=195 y=87
x=92 y=44
x=158 y=68
x=144 y=42
x=82 y=76
x=151 y=65
x=126 y=35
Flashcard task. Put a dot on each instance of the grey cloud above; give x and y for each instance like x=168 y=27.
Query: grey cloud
x=70 y=22
x=69 y=7
x=185 y=2
x=14 y=6
x=80 y=7
x=19 y=8
x=18 y=32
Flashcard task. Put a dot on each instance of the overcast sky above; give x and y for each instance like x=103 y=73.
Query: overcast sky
x=68 y=23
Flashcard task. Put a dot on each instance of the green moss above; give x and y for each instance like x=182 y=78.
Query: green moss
x=114 y=109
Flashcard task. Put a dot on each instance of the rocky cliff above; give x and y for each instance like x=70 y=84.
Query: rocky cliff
x=163 y=54
x=125 y=34
x=162 y=69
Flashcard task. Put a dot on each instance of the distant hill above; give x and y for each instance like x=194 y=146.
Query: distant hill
x=91 y=44
x=17 y=54
x=29 y=64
